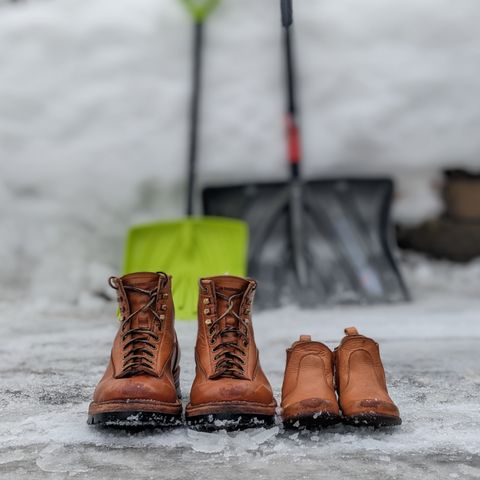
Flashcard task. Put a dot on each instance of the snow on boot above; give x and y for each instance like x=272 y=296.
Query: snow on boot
x=140 y=387
x=360 y=382
x=230 y=390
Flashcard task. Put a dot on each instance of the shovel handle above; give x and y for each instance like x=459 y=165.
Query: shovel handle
x=292 y=128
x=200 y=9
x=293 y=140
x=194 y=114
x=287 y=12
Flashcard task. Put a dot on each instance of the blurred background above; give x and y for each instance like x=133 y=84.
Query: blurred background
x=94 y=108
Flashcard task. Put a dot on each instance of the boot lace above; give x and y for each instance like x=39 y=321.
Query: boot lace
x=229 y=353
x=139 y=343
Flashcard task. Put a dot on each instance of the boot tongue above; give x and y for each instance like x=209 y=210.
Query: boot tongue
x=144 y=281
x=227 y=286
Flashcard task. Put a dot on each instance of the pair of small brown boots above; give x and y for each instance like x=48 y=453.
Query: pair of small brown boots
x=354 y=369
x=141 y=387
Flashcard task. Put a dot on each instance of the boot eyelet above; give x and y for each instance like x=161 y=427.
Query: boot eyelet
x=206 y=301
x=163 y=307
x=165 y=296
x=162 y=317
x=206 y=311
x=208 y=321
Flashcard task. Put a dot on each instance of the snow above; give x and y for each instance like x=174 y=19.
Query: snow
x=92 y=129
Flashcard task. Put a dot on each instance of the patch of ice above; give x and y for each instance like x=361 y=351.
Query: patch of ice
x=58 y=459
x=10 y=456
x=471 y=472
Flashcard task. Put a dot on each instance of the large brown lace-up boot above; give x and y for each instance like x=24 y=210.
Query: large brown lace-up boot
x=308 y=393
x=141 y=384
x=230 y=390
x=361 y=385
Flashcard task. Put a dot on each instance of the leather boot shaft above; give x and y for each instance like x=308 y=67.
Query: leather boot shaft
x=360 y=381
x=308 y=393
x=229 y=379
x=148 y=339
x=142 y=376
x=225 y=343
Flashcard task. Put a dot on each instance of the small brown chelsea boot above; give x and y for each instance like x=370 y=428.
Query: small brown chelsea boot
x=230 y=390
x=140 y=387
x=308 y=394
x=361 y=385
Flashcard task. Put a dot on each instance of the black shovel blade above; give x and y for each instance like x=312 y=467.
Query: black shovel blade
x=344 y=233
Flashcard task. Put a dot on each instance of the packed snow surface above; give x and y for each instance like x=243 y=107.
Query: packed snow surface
x=92 y=127
x=55 y=354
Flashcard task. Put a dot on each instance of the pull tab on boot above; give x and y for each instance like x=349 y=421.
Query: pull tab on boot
x=351 y=331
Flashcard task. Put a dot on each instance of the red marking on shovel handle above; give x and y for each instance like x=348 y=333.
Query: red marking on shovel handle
x=293 y=138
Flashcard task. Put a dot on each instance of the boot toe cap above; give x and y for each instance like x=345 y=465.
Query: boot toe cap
x=224 y=390
x=371 y=406
x=141 y=387
x=310 y=406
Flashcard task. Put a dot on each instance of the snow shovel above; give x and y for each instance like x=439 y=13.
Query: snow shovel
x=192 y=247
x=317 y=242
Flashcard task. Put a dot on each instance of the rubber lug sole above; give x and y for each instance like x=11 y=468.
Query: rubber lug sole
x=372 y=420
x=229 y=421
x=135 y=420
x=314 y=421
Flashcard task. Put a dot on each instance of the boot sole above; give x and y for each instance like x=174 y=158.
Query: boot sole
x=134 y=414
x=311 y=421
x=229 y=416
x=229 y=421
x=134 y=420
x=372 y=420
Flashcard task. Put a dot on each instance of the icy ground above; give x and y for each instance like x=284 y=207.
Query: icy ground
x=55 y=355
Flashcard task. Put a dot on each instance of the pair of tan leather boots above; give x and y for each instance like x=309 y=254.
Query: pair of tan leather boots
x=354 y=369
x=141 y=388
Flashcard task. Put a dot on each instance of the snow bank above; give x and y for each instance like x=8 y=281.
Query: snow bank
x=93 y=115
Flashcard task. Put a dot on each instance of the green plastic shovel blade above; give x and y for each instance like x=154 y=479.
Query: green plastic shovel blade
x=188 y=249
